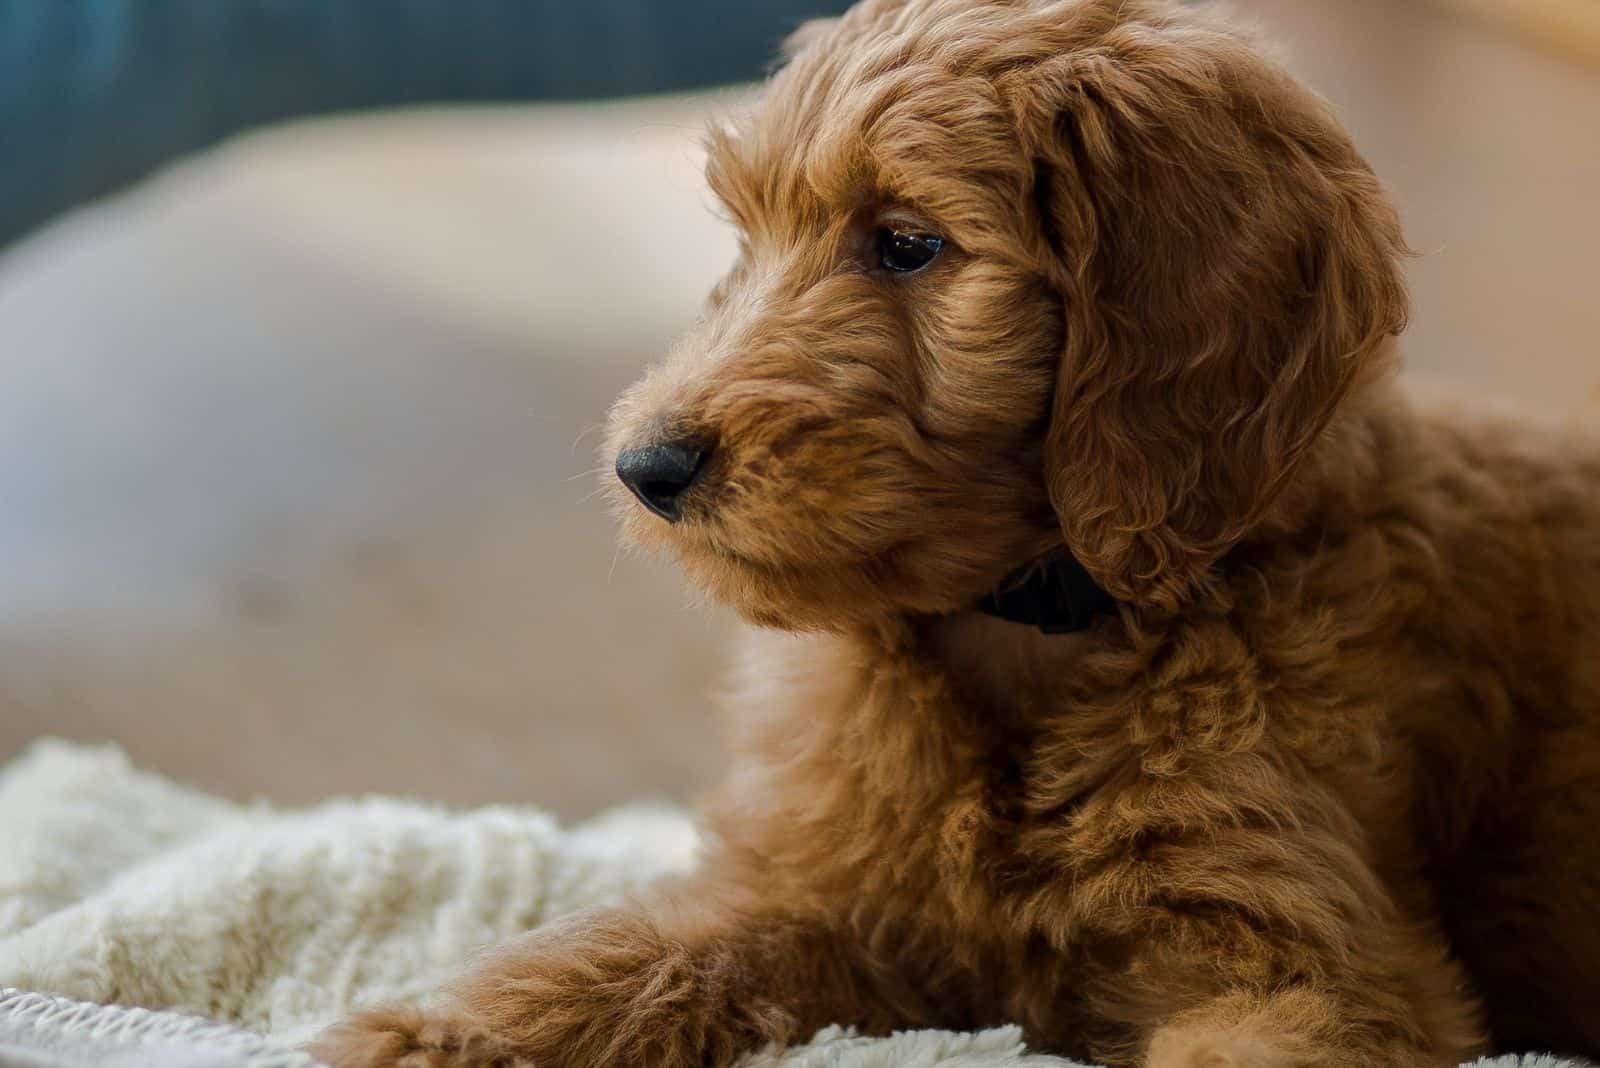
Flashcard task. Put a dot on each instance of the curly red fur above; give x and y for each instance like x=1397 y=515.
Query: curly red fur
x=1321 y=792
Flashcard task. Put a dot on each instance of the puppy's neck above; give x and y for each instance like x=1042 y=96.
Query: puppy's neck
x=1017 y=672
x=1010 y=669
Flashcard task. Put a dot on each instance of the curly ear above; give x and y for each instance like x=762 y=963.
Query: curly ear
x=1230 y=268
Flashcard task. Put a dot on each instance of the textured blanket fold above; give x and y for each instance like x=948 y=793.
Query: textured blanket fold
x=120 y=888
x=38 y=1031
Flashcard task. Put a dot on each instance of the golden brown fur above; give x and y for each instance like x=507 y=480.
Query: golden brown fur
x=1321 y=792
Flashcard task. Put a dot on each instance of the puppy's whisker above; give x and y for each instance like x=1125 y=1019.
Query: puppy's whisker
x=585 y=432
x=594 y=472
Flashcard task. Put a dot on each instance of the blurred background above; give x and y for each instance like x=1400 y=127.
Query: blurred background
x=310 y=311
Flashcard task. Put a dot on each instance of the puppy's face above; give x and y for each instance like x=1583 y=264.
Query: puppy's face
x=956 y=336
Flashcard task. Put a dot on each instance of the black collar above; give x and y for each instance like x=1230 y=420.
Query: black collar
x=1053 y=593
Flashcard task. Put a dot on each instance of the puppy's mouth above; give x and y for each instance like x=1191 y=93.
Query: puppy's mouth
x=736 y=548
x=700 y=530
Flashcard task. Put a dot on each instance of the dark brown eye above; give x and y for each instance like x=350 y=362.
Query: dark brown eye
x=905 y=252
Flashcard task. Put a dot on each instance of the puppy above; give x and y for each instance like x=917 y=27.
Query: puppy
x=1154 y=673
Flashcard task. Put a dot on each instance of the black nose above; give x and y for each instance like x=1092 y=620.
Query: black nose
x=659 y=474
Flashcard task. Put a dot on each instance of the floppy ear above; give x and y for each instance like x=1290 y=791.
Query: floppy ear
x=1230 y=269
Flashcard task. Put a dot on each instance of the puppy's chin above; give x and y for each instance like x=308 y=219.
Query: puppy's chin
x=797 y=596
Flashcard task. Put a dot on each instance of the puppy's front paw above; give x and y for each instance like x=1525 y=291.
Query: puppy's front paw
x=1188 y=1049
x=408 y=1038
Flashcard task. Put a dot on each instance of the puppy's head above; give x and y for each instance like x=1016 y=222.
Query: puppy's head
x=1013 y=273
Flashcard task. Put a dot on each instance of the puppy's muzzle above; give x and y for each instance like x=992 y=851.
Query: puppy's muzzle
x=661 y=474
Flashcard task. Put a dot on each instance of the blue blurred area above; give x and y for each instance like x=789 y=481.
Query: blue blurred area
x=96 y=93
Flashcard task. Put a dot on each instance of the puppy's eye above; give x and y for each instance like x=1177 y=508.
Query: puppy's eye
x=899 y=250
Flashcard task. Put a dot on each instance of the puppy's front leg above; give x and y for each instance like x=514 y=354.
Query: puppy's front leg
x=695 y=977
x=1272 y=946
x=1296 y=1027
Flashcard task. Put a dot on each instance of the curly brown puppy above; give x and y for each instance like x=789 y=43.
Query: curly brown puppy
x=1034 y=292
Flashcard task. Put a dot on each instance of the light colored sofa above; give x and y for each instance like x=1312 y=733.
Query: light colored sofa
x=301 y=460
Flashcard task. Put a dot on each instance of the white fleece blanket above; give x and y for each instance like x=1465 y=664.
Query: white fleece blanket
x=120 y=888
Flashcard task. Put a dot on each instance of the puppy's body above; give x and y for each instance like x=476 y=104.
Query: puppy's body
x=1380 y=746
x=1025 y=273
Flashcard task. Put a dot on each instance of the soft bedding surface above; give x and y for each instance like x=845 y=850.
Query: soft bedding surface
x=120 y=888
